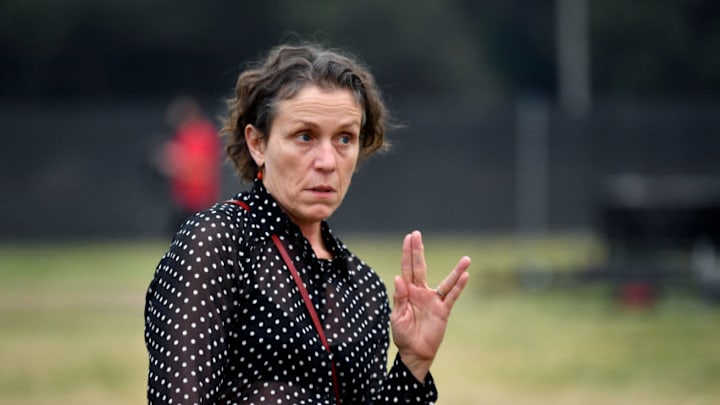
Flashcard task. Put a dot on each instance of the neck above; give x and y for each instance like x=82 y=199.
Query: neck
x=313 y=233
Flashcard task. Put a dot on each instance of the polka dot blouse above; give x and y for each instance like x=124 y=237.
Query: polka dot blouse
x=225 y=322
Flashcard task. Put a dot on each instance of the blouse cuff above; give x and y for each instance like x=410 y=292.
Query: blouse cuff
x=407 y=388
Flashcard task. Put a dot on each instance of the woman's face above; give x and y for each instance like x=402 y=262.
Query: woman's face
x=311 y=152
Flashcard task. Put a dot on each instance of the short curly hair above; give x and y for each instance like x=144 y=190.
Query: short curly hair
x=280 y=76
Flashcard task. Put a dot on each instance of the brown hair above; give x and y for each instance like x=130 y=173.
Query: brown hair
x=280 y=76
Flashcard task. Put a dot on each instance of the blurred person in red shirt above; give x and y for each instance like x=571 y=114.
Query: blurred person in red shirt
x=190 y=160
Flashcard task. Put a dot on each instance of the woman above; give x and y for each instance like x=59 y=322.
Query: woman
x=256 y=300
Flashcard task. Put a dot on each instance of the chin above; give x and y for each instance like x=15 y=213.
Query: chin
x=320 y=214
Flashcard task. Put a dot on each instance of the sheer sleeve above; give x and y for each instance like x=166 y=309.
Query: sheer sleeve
x=402 y=387
x=399 y=385
x=186 y=312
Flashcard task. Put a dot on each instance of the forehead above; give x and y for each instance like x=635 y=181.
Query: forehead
x=315 y=102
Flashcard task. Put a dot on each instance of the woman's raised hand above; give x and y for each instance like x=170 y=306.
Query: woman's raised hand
x=420 y=313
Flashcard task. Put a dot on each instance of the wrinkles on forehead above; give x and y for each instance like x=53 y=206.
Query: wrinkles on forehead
x=312 y=106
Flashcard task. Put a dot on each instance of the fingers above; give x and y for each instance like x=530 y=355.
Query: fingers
x=451 y=279
x=400 y=297
x=413 y=266
x=419 y=267
x=414 y=271
x=453 y=285
x=406 y=263
x=401 y=290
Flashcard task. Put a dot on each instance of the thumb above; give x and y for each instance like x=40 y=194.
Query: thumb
x=401 y=291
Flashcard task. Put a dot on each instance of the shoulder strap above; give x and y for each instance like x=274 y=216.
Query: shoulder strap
x=240 y=204
x=305 y=296
x=311 y=309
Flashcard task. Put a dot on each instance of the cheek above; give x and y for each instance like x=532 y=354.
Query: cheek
x=282 y=160
x=347 y=174
x=352 y=163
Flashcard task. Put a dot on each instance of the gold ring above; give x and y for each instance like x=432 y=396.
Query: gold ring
x=440 y=293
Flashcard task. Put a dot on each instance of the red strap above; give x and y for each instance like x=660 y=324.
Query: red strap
x=239 y=204
x=305 y=296
x=310 y=308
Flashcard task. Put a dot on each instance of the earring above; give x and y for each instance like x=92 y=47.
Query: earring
x=260 y=173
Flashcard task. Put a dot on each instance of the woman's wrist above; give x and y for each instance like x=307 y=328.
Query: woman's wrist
x=417 y=366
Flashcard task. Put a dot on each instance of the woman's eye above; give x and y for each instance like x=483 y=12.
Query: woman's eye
x=304 y=137
x=346 y=139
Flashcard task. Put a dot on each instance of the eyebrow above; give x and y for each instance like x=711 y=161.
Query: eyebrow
x=348 y=124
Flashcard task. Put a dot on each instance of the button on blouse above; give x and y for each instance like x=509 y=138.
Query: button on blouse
x=225 y=322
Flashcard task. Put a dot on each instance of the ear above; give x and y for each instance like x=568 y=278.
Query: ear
x=256 y=144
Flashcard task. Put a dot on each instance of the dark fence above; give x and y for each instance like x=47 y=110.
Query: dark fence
x=80 y=169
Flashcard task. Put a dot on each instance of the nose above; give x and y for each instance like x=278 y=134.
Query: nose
x=325 y=159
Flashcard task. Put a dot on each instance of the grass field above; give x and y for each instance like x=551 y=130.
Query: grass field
x=71 y=328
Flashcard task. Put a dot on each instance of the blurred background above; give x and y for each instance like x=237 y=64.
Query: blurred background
x=567 y=145
x=519 y=114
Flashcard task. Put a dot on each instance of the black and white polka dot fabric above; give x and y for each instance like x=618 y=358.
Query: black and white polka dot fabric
x=226 y=324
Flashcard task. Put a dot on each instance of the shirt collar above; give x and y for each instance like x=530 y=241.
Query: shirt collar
x=268 y=218
x=339 y=251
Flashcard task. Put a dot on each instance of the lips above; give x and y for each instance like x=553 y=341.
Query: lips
x=322 y=189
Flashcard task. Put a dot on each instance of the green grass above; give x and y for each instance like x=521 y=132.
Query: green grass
x=71 y=327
